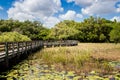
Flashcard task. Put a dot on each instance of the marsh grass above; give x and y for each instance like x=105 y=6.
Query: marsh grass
x=82 y=58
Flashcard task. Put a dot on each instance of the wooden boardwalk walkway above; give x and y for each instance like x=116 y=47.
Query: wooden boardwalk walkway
x=10 y=50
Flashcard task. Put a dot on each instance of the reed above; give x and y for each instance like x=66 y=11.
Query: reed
x=82 y=58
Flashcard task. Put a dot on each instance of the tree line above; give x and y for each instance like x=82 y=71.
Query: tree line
x=92 y=29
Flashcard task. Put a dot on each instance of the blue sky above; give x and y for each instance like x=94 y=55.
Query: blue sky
x=5 y=5
x=50 y=12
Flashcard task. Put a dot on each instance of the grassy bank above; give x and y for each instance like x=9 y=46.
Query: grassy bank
x=85 y=57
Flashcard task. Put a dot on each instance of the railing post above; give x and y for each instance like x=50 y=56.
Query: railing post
x=32 y=46
x=18 y=48
x=22 y=46
x=26 y=47
x=13 y=47
x=31 y=49
x=6 y=55
x=35 y=45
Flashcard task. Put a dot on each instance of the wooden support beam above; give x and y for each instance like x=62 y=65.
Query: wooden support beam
x=6 y=55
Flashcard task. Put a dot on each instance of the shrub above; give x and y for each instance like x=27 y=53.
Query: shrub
x=13 y=36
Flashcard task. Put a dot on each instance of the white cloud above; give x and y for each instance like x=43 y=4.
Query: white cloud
x=79 y=15
x=116 y=17
x=70 y=1
x=70 y=15
x=82 y=2
x=1 y=8
x=34 y=9
x=51 y=21
x=100 y=7
x=37 y=8
x=23 y=16
x=118 y=10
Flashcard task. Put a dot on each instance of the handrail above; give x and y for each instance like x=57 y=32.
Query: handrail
x=10 y=50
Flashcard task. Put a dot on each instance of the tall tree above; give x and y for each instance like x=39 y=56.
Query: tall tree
x=64 y=30
x=115 y=33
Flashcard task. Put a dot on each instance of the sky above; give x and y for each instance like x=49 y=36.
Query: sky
x=51 y=12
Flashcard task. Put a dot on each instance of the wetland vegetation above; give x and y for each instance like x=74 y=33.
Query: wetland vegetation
x=87 y=61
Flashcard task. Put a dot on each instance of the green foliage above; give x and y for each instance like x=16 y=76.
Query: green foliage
x=64 y=30
x=43 y=34
x=115 y=33
x=102 y=37
x=13 y=36
x=92 y=29
x=95 y=30
x=31 y=29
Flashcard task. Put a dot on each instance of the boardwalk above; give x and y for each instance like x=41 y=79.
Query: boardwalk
x=10 y=50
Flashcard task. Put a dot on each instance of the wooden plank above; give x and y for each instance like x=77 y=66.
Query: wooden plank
x=6 y=55
x=2 y=47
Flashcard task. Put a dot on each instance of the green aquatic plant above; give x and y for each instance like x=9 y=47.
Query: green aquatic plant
x=37 y=71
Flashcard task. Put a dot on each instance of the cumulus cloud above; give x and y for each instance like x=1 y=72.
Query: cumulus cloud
x=42 y=10
x=51 y=21
x=1 y=8
x=100 y=7
x=70 y=15
x=118 y=10
x=82 y=2
x=70 y=1
x=23 y=16
x=34 y=9
x=37 y=8
x=116 y=17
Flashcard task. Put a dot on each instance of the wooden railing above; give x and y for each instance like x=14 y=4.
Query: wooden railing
x=9 y=50
x=60 y=43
